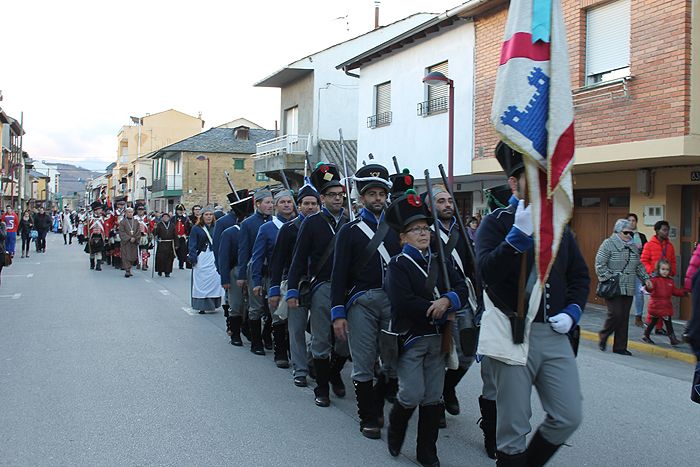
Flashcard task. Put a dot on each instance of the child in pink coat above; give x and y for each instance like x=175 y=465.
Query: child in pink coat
x=660 y=306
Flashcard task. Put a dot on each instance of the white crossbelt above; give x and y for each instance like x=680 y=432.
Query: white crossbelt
x=472 y=293
x=362 y=225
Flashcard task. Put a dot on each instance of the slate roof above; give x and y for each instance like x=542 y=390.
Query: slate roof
x=219 y=140
x=330 y=152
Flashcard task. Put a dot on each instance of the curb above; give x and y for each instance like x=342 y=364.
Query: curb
x=647 y=348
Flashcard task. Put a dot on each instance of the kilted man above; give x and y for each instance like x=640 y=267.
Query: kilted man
x=309 y=281
x=130 y=236
x=297 y=318
x=544 y=357
x=264 y=205
x=164 y=236
x=421 y=305
x=227 y=265
x=96 y=236
x=360 y=306
x=206 y=287
x=182 y=230
x=260 y=270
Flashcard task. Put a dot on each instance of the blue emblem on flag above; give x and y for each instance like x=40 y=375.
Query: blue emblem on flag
x=532 y=122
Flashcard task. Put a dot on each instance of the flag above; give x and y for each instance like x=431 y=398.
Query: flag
x=533 y=113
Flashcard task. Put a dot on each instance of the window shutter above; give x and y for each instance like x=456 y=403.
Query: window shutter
x=435 y=92
x=383 y=98
x=608 y=37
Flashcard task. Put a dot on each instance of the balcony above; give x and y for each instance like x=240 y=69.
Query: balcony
x=284 y=152
x=432 y=107
x=381 y=119
x=168 y=185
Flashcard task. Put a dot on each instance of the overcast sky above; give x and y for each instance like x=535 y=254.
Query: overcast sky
x=79 y=69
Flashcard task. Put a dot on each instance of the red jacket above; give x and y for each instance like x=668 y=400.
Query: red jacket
x=692 y=269
x=654 y=250
x=660 y=302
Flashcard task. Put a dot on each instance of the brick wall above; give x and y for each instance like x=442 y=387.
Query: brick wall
x=659 y=102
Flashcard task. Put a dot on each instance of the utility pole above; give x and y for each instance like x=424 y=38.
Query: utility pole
x=21 y=160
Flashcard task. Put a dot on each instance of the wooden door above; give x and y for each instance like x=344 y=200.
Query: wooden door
x=595 y=213
x=689 y=236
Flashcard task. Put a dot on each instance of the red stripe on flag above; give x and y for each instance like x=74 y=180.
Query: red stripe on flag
x=546 y=226
x=563 y=155
x=520 y=46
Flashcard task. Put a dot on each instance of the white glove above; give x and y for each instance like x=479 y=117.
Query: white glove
x=561 y=323
x=523 y=218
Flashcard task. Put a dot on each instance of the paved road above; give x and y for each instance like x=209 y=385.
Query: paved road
x=96 y=369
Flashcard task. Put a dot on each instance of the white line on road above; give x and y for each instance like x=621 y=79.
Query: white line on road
x=164 y=292
x=189 y=311
x=19 y=275
x=148 y=280
x=15 y=296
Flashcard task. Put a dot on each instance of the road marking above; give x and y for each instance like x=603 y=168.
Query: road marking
x=164 y=292
x=19 y=275
x=148 y=280
x=13 y=296
x=189 y=311
x=30 y=275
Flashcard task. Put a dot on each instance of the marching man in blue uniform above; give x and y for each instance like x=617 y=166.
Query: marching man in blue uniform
x=309 y=281
x=264 y=206
x=421 y=304
x=227 y=262
x=260 y=264
x=545 y=358
x=360 y=306
x=307 y=205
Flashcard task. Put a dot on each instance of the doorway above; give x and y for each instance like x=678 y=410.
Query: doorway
x=688 y=236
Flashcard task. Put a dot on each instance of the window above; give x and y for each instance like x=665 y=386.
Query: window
x=608 y=42
x=239 y=164
x=291 y=121
x=261 y=177
x=438 y=95
x=382 y=106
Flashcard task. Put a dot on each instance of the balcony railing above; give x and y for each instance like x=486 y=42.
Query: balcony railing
x=433 y=106
x=378 y=120
x=286 y=144
x=168 y=182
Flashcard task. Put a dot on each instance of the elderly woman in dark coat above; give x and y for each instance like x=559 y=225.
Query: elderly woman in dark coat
x=165 y=250
x=618 y=255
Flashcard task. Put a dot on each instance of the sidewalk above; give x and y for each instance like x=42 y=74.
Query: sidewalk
x=594 y=316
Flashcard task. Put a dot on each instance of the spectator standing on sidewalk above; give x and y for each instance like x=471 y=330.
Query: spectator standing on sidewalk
x=659 y=247
x=11 y=220
x=692 y=333
x=3 y=235
x=66 y=226
x=639 y=240
x=660 y=305
x=618 y=255
x=42 y=224
x=26 y=225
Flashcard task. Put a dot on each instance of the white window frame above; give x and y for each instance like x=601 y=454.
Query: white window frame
x=608 y=30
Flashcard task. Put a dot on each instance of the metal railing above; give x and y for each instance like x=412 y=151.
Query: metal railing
x=433 y=106
x=289 y=144
x=378 y=120
x=168 y=182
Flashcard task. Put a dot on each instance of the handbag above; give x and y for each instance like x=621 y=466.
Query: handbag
x=7 y=259
x=610 y=288
x=34 y=234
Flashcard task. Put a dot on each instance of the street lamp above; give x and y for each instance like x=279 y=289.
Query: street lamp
x=202 y=157
x=145 y=196
x=436 y=78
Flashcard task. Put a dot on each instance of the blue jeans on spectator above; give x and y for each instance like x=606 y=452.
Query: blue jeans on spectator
x=638 y=298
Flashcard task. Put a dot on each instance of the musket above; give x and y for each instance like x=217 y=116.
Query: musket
x=396 y=164
x=351 y=214
x=447 y=328
x=230 y=184
x=462 y=230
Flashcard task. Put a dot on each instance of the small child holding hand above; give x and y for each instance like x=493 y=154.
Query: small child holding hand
x=660 y=306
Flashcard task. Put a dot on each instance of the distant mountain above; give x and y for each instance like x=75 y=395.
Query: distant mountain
x=74 y=178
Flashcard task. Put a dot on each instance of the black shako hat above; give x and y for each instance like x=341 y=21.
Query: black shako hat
x=497 y=197
x=245 y=207
x=371 y=176
x=96 y=205
x=405 y=210
x=307 y=190
x=232 y=198
x=400 y=183
x=325 y=176
x=511 y=160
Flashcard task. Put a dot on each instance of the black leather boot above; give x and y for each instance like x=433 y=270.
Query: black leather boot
x=321 y=391
x=539 y=451
x=92 y=263
x=487 y=423
x=98 y=265
x=366 y=409
x=267 y=333
x=245 y=330
x=279 y=331
x=452 y=379
x=256 y=344
x=336 y=380
x=379 y=390
x=398 y=422
x=234 y=323
x=511 y=460
x=428 y=421
x=226 y=309
x=392 y=388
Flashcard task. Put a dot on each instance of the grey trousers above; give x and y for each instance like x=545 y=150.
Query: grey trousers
x=488 y=388
x=235 y=296
x=367 y=316
x=255 y=303
x=421 y=372
x=296 y=324
x=551 y=368
x=321 y=328
x=464 y=320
